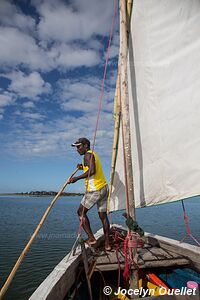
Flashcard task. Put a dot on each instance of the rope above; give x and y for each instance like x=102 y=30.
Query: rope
x=131 y=242
x=186 y=219
x=124 y=244
x=100 y=101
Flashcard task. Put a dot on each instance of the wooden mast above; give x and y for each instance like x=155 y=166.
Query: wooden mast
x=125 y=103
x=125 y=7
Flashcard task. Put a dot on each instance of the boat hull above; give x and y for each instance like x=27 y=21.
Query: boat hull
x=64 y=276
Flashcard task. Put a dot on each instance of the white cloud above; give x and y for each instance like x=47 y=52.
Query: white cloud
x=1 y=113
x=6 y=99
x=28 y=104
x=114 y=51
x=48 y=45
x=11 y=15
x=95 y=44
x=30 y=86
x=55 y=138
x=65 y=37
x=83 y=94
x=68 y=56
x=31 y=116
x=79 y=89
x=80 y=21
x=18 y=48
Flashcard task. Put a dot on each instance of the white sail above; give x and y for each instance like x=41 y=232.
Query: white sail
x=164 y=103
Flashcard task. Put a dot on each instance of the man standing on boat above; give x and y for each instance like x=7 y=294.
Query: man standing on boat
x=96 y=190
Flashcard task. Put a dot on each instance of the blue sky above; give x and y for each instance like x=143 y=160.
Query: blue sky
x=52 y=56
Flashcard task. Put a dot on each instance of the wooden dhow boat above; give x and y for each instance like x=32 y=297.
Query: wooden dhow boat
x=95 y=274
x=155 y=158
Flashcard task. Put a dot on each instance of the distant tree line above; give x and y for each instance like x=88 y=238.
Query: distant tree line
x=47 y=193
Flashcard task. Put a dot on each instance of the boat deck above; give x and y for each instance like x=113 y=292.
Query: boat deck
x=147 y=257
x=153 y=254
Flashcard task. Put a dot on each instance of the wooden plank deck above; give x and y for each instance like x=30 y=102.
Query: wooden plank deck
x=148 y=257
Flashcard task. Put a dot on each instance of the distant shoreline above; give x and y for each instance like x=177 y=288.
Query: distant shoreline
x=40 y=194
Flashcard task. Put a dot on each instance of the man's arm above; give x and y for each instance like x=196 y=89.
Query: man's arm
x=89 y=161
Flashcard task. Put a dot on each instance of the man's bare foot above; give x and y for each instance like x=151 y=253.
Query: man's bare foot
x=90 y=242
x=107 y=246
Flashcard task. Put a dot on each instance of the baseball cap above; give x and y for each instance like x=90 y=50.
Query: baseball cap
x=81 y=141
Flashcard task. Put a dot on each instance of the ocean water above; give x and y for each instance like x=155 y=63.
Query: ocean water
x=19 y=217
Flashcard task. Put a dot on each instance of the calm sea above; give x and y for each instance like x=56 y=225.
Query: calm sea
x=19 y=217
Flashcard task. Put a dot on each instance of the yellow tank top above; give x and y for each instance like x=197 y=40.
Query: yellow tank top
x=98 y=180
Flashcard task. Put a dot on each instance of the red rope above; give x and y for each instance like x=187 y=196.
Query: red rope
x=105 y=71
x=132 y=241
x=122 y=245
x=101 y=98
x=186 y=219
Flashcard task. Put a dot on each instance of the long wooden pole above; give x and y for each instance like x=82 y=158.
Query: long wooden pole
x=125 y=104
x=124 y=30
x=21 y=257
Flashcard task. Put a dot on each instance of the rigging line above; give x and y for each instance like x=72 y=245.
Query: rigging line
x=100 y=100
x=105 y=71
x=186 y=219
